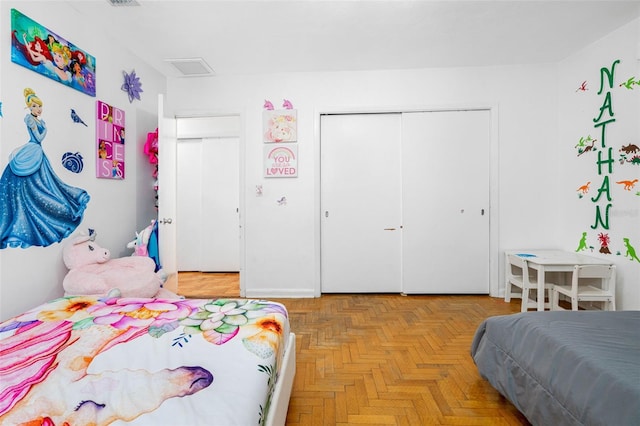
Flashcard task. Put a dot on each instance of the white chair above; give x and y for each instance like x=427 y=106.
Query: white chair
x=589 y=283
x=520 y=275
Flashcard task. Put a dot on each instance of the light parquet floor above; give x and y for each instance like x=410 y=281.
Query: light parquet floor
x=383 y=359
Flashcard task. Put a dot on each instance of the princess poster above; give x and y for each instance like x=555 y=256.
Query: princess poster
x=110 y=138
x=41 y=50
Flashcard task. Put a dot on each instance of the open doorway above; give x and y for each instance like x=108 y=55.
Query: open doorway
x=208 y=195
x=208 y=205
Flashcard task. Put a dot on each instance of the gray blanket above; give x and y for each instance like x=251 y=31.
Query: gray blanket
x=565 y=367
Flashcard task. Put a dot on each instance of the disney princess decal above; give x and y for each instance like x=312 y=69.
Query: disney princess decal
x=39 y=49
x=36 y=207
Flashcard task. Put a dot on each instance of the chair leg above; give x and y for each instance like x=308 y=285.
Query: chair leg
x=574 y=303
x=524 y=307
x=507 y=293
x=548 y=301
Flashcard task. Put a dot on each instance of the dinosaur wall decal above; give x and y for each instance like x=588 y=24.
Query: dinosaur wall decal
x=628 y=184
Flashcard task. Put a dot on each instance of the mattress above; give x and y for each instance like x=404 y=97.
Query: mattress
x=566 y=367
x=85 y=360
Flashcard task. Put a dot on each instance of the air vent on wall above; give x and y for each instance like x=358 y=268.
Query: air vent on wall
x=123 y=3
x=191 y=67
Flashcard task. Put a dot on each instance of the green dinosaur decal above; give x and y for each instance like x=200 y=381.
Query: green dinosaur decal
x=583 y=242
x=629 y=83
x=631 y=251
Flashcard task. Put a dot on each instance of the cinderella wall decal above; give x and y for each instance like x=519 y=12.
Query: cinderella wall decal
x=36 y=207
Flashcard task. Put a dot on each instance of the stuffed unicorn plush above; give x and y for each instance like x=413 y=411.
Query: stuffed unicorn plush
x=140 y=244
x=93 y=272
x=146 y=244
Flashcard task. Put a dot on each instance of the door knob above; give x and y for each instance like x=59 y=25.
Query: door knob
x=167 y=221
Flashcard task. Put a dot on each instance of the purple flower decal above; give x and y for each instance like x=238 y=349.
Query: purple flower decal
x=132 y=85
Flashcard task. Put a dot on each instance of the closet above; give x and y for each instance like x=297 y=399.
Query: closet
x=405 y=202
x=208 y=185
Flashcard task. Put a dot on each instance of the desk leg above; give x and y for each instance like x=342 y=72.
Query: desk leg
x=541 y=281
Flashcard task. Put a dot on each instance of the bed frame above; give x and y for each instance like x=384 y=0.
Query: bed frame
x=564 y=367
x=280 y=402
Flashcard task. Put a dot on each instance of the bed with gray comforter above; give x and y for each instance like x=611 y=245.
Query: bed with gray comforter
x=564 y=367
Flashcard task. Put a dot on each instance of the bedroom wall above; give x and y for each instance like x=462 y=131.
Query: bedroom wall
x=281 y=253
x=578 y=110
x=282 y=242
x=117 y=208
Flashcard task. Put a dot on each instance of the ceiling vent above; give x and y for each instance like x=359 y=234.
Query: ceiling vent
x=192 y=67
x=123 y=3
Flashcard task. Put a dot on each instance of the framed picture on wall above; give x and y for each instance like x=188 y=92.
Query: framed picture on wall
x=45 y=52
x=280 y=125
x=110 y=137
x=281 y=161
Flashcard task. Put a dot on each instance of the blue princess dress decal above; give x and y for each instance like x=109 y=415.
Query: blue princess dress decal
x=36 y=207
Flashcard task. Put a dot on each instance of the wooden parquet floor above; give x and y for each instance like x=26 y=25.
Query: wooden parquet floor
x=384 y=359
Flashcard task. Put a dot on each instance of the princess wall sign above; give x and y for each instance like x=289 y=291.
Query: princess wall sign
x=110 y=136
x=43 y=51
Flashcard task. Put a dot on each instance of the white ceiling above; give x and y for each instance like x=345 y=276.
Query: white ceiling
x=264 y=36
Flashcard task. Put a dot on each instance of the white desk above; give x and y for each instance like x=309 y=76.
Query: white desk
x=545 y=261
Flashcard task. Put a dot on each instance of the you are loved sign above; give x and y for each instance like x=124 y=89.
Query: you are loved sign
x=281 y=161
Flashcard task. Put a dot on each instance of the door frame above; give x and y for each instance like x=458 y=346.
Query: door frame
x=242 y=178
x=494 y=175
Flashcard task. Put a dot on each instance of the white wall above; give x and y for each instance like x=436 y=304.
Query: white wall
x=536 y=116
x=538 y=205
x=117 y=208
x=577 y=112
x=282 y=242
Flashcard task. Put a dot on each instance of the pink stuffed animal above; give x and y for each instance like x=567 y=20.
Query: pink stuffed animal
x=93 y=272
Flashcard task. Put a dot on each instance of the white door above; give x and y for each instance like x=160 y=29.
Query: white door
x=208 y=202
x=167 y=196
x=189 y=204
x=445 y=199
x=360 y=202
x=221 y=199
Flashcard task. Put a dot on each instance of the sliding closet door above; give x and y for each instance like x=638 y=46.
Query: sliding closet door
x=189 y=203
x=221 y=201
x=360 y=202
x=208 y=199
x=445 y=168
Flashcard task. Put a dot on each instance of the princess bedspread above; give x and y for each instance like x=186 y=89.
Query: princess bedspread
x=86 y=360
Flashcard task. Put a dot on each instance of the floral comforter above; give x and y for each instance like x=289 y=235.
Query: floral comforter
x=84 y=360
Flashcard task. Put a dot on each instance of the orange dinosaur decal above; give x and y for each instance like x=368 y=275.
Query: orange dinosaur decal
x=628 y=184
x=584 y=188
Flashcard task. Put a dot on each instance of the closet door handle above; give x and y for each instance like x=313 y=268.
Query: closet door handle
x=389 y=229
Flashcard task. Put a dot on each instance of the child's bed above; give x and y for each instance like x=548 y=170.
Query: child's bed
x=85 y=360
x=564 y=368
